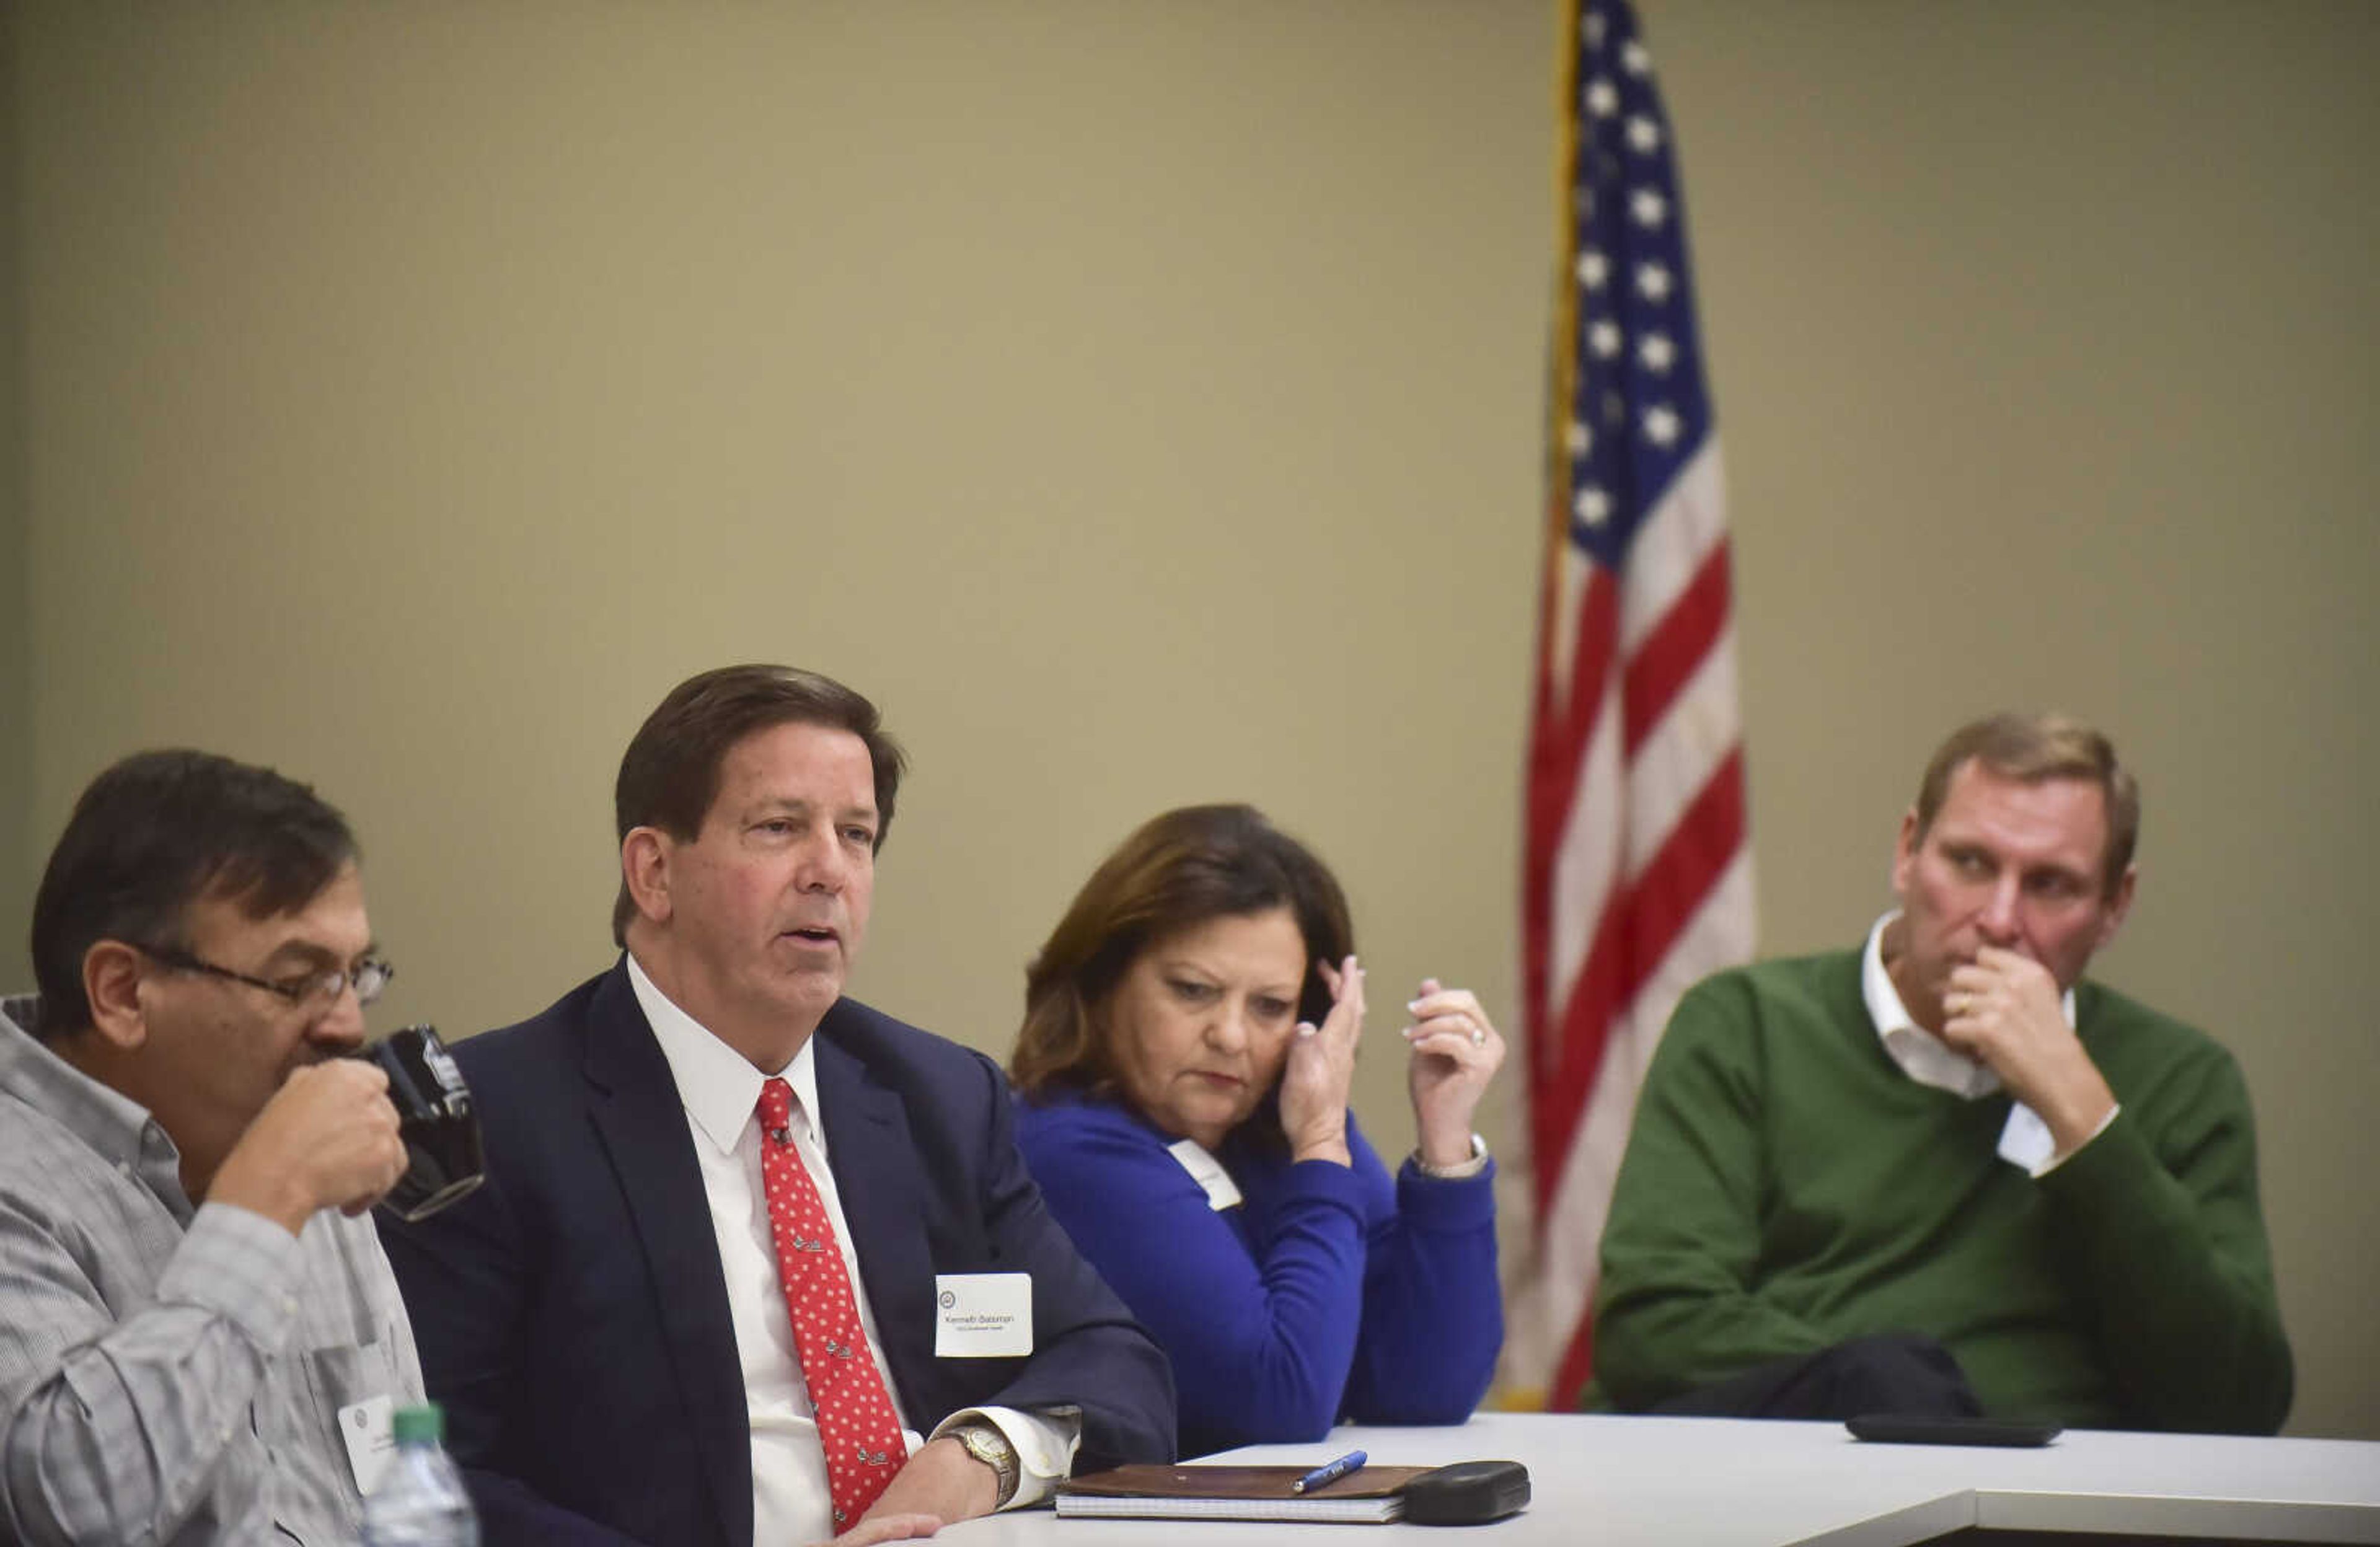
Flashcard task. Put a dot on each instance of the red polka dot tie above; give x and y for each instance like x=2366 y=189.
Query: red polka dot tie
x=856 y=1420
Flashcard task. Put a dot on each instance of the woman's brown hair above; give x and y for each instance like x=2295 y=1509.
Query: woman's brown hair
x=1177 y=871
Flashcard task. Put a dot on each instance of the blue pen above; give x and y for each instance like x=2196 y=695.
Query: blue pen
x=1322 y=1477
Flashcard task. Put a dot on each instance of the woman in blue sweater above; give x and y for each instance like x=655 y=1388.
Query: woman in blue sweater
x=1189 y=1036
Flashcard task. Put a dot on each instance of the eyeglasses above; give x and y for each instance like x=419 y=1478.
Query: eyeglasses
x=311 y=991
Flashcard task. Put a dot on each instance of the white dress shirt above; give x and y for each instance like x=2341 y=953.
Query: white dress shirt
x=720 y=1091
x=1928 y=1060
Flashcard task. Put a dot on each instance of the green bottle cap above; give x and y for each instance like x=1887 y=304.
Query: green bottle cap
x=416 y=1425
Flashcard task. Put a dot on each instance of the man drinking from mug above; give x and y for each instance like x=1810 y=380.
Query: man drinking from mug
x=200 y=1338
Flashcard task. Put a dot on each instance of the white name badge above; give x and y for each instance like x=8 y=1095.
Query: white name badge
x=983 y=1316
x=1208 y=1172
x=369 y=1427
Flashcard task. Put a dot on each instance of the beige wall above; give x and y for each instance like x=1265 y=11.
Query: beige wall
x=17 y=840
x=1141 y=402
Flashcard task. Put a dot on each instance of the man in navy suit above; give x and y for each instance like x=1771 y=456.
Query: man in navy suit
x=606 y=1320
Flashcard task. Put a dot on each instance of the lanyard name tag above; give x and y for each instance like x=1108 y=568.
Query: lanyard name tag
x=1208 y=1172
x=369 y=1427
x=983 y=1316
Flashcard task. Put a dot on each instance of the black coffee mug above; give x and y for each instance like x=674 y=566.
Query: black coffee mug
x=443 y=1161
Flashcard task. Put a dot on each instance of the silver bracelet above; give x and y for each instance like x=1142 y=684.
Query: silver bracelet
x=1459 y=1170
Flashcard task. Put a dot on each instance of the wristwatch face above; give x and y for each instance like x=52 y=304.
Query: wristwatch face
x=991 y=1446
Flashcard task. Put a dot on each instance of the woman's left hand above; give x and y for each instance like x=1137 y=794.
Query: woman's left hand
x=1455 y=1050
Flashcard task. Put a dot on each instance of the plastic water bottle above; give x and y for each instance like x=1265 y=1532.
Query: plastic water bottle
x=420 y=1500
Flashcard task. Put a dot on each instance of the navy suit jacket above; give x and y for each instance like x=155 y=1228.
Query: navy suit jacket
x=572 y=1314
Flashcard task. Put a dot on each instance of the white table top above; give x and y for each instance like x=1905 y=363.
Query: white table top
x=1723 y=1482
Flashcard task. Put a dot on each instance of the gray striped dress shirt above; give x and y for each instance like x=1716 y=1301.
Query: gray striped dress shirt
x=170 y=1375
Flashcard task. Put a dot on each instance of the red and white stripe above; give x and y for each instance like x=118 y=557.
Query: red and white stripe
x=1638 y=876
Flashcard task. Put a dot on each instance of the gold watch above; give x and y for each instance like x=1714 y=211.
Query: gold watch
x=988 y=1446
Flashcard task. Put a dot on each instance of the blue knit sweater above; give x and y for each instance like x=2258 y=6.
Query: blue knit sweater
x=1329 y=1293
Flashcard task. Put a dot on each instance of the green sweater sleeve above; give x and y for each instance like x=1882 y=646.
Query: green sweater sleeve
x=2160 y=1216
x=1674 y=1308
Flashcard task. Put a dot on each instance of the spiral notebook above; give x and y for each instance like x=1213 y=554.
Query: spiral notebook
x=1370 y=1495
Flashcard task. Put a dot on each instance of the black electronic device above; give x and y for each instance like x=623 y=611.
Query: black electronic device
x=1467 y=1494
x=1898 y=1429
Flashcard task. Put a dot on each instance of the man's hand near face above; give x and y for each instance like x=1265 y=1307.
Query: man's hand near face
x=2005 y=1009
x=328 y=1139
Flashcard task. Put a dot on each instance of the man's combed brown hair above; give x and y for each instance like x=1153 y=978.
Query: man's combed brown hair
x=1178 y=871
x=670 y=774
x=2033 y=748
x=159 y=832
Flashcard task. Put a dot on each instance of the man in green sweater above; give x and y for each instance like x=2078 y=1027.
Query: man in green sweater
x=1945 y=1174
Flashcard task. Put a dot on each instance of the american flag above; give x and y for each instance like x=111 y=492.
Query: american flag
x=1638 y=877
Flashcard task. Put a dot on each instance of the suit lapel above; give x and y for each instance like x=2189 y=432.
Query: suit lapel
x=640 y=1124
x=884 y=1199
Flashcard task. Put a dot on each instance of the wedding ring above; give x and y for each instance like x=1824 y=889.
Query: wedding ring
x=1478 y=1038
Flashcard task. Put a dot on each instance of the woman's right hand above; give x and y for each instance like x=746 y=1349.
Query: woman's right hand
x=1321 y=1070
